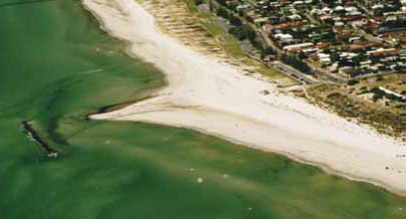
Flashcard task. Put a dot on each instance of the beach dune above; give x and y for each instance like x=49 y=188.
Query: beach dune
x=204 y=93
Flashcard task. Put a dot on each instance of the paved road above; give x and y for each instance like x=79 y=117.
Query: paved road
x=293 y=73
x=329 y=76
x=270 y=43
x=285 y=69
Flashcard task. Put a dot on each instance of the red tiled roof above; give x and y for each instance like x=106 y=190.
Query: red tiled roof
x=349 y=3
x=393 y=33
x=385 y=52
x=378 y=18
x=371 y=25
x=289 y=24
x=356 y=46
x=321 y=45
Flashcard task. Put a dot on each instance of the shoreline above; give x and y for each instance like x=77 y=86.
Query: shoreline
x=171 y=102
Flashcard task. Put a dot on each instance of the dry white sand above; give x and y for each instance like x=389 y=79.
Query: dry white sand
x=207 y=95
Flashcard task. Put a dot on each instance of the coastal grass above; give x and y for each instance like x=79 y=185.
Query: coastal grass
x=191 y=6
x=233 y=49
x=58 y=66
x=204 y=15
x=231 y=45
x=211 y=26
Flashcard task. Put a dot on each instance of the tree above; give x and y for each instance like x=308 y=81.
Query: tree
x=327 y=50
x=335 y=57
x=238 y=33
x=222 y=2
x=257 y=44
x=298 y=64
x=243 y=32
x=198 y=2
x=235 y=21
x=301 y=55
x=378 y=12
x=222 y=12
x=249 y=19
x=352 y=82
x=357 y=60
x=251 y=34
x=268 y=51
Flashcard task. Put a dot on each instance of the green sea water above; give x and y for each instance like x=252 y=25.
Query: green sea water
x=57 y=66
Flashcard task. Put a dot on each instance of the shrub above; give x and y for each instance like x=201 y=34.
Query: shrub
x=243 y=32
x=298 y=64
x=352 y=82
x=235 y=21
x=268 y=51
x=198 y=2
x=222 y=12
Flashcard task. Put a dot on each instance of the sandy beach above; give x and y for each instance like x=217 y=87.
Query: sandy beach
x=206 y=94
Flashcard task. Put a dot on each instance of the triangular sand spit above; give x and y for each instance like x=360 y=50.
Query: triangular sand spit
x=206 y=94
